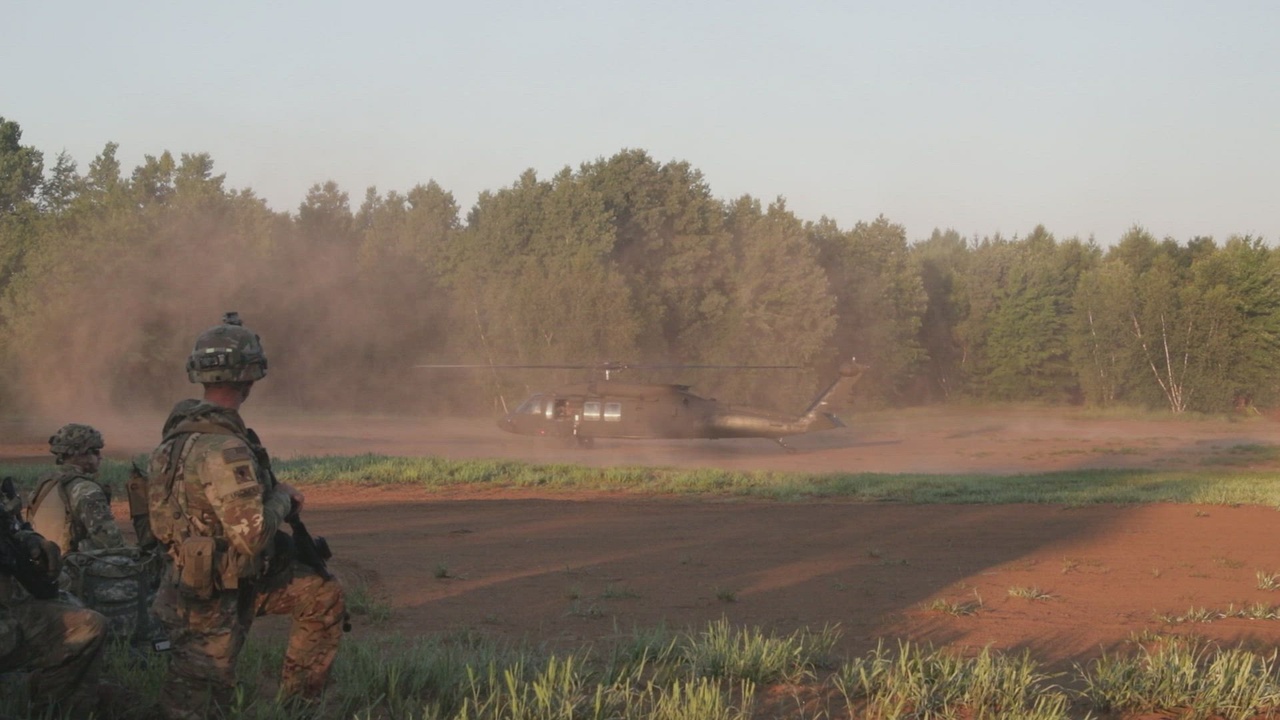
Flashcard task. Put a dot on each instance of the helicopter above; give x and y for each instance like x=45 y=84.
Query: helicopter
x=608 y=408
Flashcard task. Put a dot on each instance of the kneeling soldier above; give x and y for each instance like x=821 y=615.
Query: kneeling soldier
x=216 y=508
x=58 y=643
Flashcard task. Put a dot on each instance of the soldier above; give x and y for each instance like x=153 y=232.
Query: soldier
x=69 y=507
x=72 y=509
x=60 y=644
x=216 y=508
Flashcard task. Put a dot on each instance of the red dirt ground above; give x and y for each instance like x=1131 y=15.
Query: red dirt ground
x=566 y=569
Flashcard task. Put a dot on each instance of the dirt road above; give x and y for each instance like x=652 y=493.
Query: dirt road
x=566 y=569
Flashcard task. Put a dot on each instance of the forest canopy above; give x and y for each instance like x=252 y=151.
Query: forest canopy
x=107 y=275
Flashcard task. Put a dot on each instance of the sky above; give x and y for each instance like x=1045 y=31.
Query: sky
x=983 y=117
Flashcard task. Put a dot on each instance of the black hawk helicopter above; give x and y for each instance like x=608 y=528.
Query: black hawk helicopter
x=637 y=411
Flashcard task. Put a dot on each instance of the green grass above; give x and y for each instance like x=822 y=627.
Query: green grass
x=1218 y=486
x=749 y=654
x=725 y=672
x=1250 y=611
x=1198 y=679
x=920 y=682
x=1244 y=454
x=1070 y=488
x=365 y=603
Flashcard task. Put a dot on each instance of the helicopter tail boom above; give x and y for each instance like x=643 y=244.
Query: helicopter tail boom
x=743 y=422
x=837 y=393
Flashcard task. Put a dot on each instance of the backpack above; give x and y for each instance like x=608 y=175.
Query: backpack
x=121 y=584
x=168 y=518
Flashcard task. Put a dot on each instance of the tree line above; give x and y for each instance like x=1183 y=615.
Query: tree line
x=107 y=275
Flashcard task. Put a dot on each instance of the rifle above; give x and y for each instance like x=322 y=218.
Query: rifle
x=309 y=550
x=15 y=559
x=139 y=512
x=312 y=552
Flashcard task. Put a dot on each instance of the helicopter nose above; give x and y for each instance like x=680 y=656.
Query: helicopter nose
x=506 y=424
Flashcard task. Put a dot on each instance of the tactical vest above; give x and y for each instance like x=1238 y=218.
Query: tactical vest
x=197 y=546
x=50 y=512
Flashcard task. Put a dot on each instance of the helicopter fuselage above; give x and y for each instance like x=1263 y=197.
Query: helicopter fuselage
x=610 y=409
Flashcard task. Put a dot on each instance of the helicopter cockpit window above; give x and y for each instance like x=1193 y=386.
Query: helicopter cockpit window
x=532 y=406
x=591 y=410
x=612 y=412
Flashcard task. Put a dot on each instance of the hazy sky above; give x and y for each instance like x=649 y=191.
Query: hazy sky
x=1088 y=117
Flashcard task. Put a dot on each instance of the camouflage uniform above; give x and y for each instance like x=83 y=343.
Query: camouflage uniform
x=76 y=507
x=216 y=509
x=59 y=643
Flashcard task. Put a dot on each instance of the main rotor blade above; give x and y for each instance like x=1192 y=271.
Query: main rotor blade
x=711 y=367
x=612 y=366
x=511 y=367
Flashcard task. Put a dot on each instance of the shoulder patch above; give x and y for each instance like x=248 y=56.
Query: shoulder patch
x=247 y=492
x=82 y=488
x=238 y=453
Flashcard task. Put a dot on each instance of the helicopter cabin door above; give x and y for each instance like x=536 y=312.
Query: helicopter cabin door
x=564 y=414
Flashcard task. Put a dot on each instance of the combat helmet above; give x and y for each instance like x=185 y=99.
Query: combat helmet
x=74 y=439
x=229 y=352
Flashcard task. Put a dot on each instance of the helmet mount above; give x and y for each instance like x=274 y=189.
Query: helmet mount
x=228 y=352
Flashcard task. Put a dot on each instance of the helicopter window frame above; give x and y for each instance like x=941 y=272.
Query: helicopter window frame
x=591 y=410
x=613 y=412
x=558 y=409
x=532 y=406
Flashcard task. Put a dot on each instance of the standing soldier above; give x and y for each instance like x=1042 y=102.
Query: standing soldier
x=70 y=507
x=216 y=508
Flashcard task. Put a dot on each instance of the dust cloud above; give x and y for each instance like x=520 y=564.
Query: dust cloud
x=109 y=339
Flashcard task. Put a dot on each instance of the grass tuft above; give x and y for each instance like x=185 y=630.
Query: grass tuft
x=919 y=682
x=617 y=592
x=957 y=608
x=1196 y=679
x=366 y=604
x=1030 y=593
x=725 y=595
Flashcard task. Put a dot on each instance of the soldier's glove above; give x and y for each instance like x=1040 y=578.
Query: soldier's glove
x=10 y=500
x=43 y=553
x=278 y=504
x=281 y=554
